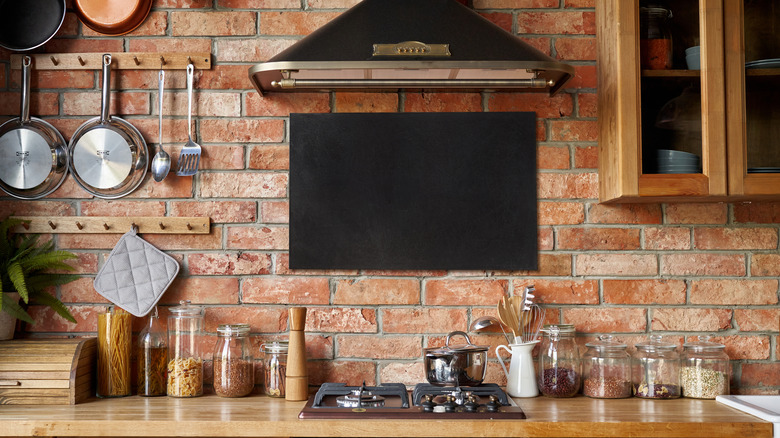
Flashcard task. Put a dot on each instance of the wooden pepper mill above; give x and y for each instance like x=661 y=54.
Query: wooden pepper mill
x=297 y=379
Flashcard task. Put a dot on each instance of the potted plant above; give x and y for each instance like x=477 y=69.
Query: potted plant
x=26 y=270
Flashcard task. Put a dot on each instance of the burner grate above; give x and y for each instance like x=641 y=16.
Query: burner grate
x=341 y=389
x=483 y=391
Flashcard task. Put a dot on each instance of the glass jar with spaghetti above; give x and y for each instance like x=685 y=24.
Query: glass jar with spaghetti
x=115 y=330
x=275 y=368
x=234 y=370
x=185 y=362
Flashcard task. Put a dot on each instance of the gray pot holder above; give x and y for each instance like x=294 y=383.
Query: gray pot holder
x=135 y=274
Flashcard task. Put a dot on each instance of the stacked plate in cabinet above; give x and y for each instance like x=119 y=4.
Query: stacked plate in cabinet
x=671 y=161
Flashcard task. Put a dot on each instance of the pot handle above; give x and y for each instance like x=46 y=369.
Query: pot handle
x=106 y=95
x=25 y=110
x=501 y=361
x=455 y=333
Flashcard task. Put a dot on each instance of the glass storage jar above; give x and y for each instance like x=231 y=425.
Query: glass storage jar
x=704 y=372
x=275 y=368
x=656 y=369
x=606 y=369
x=152 y=355
x=559 y=362
x=115 y=331
x=655 y=38
x=234 y=371
x=185 y=362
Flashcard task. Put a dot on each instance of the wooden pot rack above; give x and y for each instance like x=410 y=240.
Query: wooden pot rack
x=113 y=225
x=119 y=61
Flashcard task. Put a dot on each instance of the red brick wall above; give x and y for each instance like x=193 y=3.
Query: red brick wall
x=677 y=269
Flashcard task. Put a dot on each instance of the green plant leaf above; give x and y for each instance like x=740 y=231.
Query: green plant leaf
x=11 y=307
x=16 y=275
x=48 y=300
x=42 y=281
x=47 y=261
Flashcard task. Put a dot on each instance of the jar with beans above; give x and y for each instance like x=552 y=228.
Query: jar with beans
x=234 y=370
x=705 y=369
x=559 y=362
x=656 y=369
x=606 y=369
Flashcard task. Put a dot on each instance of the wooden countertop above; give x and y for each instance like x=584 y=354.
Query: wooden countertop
x=260 y=416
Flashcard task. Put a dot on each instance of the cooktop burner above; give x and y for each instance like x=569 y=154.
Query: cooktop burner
x=392 y=400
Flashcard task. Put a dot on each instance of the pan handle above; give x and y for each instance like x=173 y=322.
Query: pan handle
x=25 y=110
x=106 y=96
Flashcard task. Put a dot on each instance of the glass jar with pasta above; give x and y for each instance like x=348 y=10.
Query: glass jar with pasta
x=115 y=330
x=185 y=362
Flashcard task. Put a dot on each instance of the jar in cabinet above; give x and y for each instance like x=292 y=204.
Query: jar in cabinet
x=606 y=369
x=655 y=39
x=185 y=361
x=559 y=362
x=234 y=370
x=704 y=372
x=275 y=368
x=656 y=369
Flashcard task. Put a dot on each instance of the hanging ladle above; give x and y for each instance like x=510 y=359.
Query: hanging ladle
x=161 y=163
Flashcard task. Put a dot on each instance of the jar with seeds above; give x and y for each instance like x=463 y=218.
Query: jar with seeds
x=559 y=362
x=234 y=370
x=606 y=369
x=656 y=369
x=705 y=369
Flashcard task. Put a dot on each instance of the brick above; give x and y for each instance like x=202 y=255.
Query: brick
x=173 y=78
x=400 y=273
x=201 y=290
x=213 y=240
x=379 y=347
x=515 y=4
x=550 y=23
x=176 y=188
x=757 y=212
x=260 y=319
x=87 y=241
x=332 y=4
x=580 y=4
x=377 y=291
x=270 y=157
x=734 y=292
x=69 y=190
x=46 y=320
x=562 y=291
x=282 y=267
x=183 y=4
x=545 y=107
x=41 y=103
x=275 y=212
x=561 y=213
x=700 y=214
x=765 y=265
x=70 y=26
x=243 y=185
x=293 y=23
x=156 y=23
x=242 y=263
x=574 y=130
x=342 y=320
x=351 y=373
x=624 y=214
x=699 y=264
x=174 y=130
x=503 y=20
x=576 y=49
x=691 y=320
x=203 y=104
x=757 y=320
x=286 y=290
x=260 y=4
x=630 y=265
x=647 y=291
x=598 y=238
x=542 y=44
x=248 y=49
x=213 y=23
x=443 y=102
x=84 y=263
x=423 y=320
x=745 y=347
x=216 y=157
x=407 y=373
x=587 y=106
x=585 y=76
x=667 y=238
x=218 y=211
x=464 y=292
x=43 y=79
x=735 y=238
x=606 y=320
x=222 y=77
x=81 y=291
x=550 y=265
x=37 y=208
x=356 y=102
x=3 y=76
x=760 y=374
x=554 y=157
x=122 y=208
x=567 y=185
x=258 y=238
x=282 y=104
x=546 y=239
x=242 y=131
x=84 y=45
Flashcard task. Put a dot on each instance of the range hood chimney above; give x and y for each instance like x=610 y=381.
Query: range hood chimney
x=410 y=44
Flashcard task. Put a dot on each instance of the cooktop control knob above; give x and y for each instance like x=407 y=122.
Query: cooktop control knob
x=471 y=405
x=427 y=403
x=493 y=404
x=449 y=405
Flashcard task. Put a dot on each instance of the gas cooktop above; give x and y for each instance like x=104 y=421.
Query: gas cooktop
x=393 y=400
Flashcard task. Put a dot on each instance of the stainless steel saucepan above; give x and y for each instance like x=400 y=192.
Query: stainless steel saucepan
x=107 y=155
x=456 y=365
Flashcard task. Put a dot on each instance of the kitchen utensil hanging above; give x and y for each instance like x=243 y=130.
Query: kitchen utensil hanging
x=161 y=163
x=33 y=154
x=112 y=17
x=27 y=24
x=189 y=156
x=108 y=157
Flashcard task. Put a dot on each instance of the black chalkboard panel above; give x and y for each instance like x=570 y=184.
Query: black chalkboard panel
x=446 y=191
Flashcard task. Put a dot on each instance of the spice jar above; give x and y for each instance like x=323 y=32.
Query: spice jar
x=234 y=371
x=152 y=354
x=559 y=362
x=606 y=369
x=705 y=369
x=655 y=38
x=275 y=368
x=185 y=363
x=656 y=369
x=115 y=330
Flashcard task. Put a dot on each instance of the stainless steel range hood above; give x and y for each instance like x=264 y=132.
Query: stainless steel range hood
x=410 y=44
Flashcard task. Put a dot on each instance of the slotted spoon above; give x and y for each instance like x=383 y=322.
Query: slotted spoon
x=189 y=157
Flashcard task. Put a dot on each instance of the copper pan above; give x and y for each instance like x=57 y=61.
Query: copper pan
x=112 y=17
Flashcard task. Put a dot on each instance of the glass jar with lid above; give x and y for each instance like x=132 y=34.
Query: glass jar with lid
x=656 y=369
x=606 y=369
x=185 y=361
x=705 y=369
x=655 y=38
x=234 y=370
x=152 y=355
x=559 y=362
x=275 y=368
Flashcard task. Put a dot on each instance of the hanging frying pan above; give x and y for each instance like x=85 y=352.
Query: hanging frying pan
x=33 y=154
x=107 y=155
x=27 y=24
x=112 y=17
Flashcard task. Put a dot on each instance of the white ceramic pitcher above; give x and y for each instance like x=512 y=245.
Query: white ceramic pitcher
x=521 y=377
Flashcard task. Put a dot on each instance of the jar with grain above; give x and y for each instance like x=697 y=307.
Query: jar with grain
x=185 y=361
x=234 y=370
x=559 y=362
x=606 y=369
x=275 y=368
x=656 y=369
x=655 y=39
x=705 y=369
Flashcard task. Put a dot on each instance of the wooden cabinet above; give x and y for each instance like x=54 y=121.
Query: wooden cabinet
x=723 y=113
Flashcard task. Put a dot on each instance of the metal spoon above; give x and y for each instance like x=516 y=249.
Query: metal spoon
x=161 y=163
x=484 y=322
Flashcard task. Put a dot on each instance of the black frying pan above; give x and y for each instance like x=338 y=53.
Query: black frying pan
x=27 y=24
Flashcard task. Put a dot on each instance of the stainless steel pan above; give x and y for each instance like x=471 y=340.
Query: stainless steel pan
x=107 y=155
x=33 y=154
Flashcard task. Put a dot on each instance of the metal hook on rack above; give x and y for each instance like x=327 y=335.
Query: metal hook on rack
x=162 y=61
x=54 y=60
x=162 y=227
x=135 y=59
x=81 y=61
x=51 y=224
x=79 y=226
x=105 y=225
